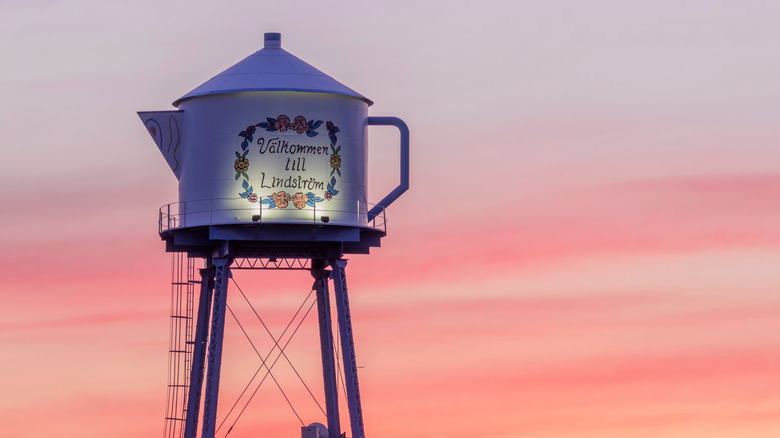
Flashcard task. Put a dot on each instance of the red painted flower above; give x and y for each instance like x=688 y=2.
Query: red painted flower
x=252 y=197
x=251 y=129
x=282 y=123
x=328 y=195
x=299 y=125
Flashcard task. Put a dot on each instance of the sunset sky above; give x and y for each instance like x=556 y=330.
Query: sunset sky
x=590 y=246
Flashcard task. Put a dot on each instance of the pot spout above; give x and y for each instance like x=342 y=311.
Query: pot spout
x=165 y=127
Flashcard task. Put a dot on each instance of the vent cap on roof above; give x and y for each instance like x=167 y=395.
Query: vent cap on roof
x=271 y=69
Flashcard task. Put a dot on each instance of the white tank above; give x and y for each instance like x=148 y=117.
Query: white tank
x=271 y=140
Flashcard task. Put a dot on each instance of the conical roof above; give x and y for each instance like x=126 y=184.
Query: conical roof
x=271 y=69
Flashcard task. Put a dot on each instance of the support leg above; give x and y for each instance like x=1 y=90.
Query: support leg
x=199 y=351
x=326 y=346
x=222 y=275
x=348 y=348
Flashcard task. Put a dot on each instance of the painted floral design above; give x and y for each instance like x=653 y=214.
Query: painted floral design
x=280 y=199
x=332 y=131
x=247 y=135
x=248 y=191
x=299 y=200
x=299 y=125
x=242 y=164
x=282 y=123
x=335 y=161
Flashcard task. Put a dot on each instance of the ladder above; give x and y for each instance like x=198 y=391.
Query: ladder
x=180 y=343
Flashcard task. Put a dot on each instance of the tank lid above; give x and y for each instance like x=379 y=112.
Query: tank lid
x=271 y=69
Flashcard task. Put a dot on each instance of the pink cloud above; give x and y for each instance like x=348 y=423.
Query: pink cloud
x=657 y=216
x=84 y=321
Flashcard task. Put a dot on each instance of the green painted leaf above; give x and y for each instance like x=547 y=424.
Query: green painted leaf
x=237 y=175
x=245 y=176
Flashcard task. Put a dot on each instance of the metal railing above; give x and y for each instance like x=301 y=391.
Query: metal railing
x=224 y=211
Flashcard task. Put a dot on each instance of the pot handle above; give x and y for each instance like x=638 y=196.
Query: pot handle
x=404 y=185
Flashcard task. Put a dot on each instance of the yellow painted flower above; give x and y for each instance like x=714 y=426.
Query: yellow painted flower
x=242 y=164
x=335 y=161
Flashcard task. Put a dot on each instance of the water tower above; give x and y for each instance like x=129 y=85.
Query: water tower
x=271 y=157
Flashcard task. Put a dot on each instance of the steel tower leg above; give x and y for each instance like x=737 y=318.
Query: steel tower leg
x=326 y=346
x=222 y=275
x=199 y=352
x=348 y=348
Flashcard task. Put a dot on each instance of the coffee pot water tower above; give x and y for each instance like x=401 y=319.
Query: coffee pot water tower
x=271 y=156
